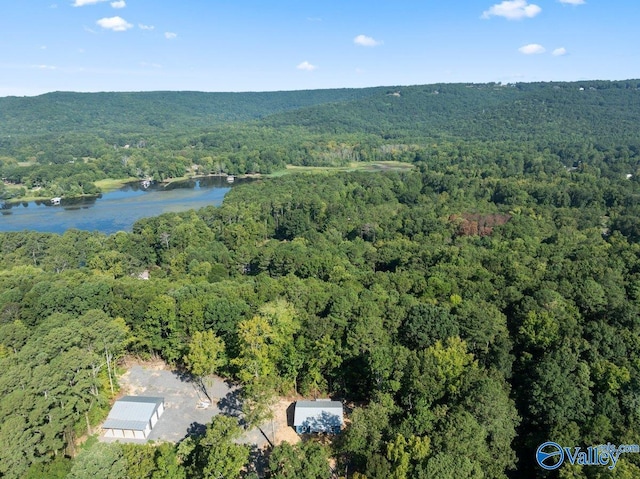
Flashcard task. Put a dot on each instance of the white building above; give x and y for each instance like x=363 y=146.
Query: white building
x=319 y=416
x=133 y=417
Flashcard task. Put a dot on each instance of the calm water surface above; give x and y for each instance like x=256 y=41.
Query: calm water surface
x=116 y=210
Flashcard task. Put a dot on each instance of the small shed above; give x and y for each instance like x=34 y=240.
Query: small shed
x=319 y=416
x=133 y=417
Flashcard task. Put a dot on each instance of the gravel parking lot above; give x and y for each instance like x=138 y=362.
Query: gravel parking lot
x=182 y=415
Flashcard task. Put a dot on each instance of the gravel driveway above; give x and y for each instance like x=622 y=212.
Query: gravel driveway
x=182 y=396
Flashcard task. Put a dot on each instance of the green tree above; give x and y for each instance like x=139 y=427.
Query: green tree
x=365 y=434
x=447 y=466
x=167 y=463
x=217 y=455
x=263 y=343
x=425 y=324
x=101 y=461
x=205 y=357
x=561 y=389
x=307 y=460
x=403 y=455
x=162 y=327
x=59 y=468
x=139 y=460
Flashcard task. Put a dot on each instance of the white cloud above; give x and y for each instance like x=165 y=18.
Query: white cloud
x=366 y=41
x=573 y=2
x=117 y=24
x=119 y=4
x=145 y=27
x=45 y=67
x=512 y=10
x=532 y=49
x=82 y=3
x=170 y=35
x=558 y=52
x=306 y=66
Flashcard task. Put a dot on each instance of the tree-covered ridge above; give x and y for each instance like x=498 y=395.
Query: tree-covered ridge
x=536 y=112
x=519 y=111
x=146 y=112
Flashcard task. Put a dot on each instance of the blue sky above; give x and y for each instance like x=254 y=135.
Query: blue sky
x=240 y=45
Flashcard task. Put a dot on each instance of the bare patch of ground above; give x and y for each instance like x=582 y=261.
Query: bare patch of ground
x=283 y=423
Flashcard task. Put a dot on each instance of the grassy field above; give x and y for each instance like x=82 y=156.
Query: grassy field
x=110 y=184
x=354 y=166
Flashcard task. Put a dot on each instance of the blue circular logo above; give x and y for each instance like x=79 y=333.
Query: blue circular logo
x=550 y=456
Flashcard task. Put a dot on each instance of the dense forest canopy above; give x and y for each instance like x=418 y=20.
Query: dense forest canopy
x=468 y=309
x=142 y=112
x=422 y=110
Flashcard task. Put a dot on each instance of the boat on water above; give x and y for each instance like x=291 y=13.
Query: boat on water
x=56 y=201
x=231 y=178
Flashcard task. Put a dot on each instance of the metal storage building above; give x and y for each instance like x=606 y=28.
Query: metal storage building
x=133 y=417
x=319 y=416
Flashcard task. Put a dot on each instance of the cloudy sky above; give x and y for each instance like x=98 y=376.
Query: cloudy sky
x=259 y=45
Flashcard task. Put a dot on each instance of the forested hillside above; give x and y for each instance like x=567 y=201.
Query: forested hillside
x=537 y=112
x=60 y=144
x=146 y=112
x=467 y=310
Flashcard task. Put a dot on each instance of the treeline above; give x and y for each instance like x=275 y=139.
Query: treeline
x=469 y=310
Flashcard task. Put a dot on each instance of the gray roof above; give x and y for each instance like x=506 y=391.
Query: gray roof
x=132 y=412
x=142 y=399
x=320 y=413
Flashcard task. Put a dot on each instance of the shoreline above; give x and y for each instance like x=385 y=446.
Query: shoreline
x=108 y=185
x=45 y=199
x=111 y=184
x=169 y=181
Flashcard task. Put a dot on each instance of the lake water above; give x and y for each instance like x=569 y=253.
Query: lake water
x=116 y=210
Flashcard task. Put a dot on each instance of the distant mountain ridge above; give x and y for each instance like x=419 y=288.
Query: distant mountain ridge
x=142 y=112
x=518 y=112
x=574 y=111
